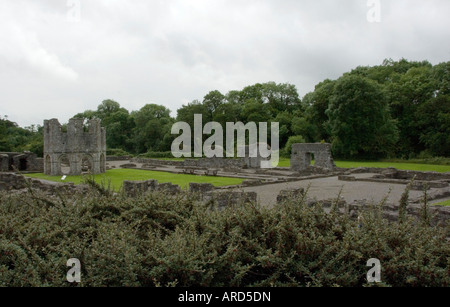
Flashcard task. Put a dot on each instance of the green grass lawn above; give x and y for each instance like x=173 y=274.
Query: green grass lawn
x=117 y=176
x=444 y=203
x=284 y=162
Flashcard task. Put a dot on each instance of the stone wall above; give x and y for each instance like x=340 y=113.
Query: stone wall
x=210 y=163
x=440 y=215
x=302 y=155
x=223 y=199
x=24 y=162
x=118 y=158
x=285 y=195
x=156 y=162
x=137 y=188
x=421 y=176
x=200 y=187
x=224 y=163
x=13 y=182
x=207 y=192
x=4 y=162
x=76 y=151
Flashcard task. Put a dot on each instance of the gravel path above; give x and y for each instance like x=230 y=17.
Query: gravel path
x=322 y=188
x=328 y=188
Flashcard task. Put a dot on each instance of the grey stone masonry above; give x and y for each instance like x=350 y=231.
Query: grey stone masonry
x=302 y=155
x=20 y=161
x=78 y=150
x=4 y=163
x=200 y=187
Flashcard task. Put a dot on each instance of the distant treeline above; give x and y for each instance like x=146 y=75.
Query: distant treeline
x=399 y=109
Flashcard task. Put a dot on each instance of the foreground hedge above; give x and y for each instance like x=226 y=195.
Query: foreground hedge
x=156 y=240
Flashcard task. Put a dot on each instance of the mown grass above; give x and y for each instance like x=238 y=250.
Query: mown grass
x=285 y=162
x=444 y=203
x=116 y=177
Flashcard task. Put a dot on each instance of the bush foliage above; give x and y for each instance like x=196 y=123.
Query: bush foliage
x=155 y=240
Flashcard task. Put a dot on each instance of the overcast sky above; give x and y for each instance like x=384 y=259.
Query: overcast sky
x=59 y=57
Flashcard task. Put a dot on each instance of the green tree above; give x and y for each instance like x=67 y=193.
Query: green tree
x=152 y=125
x=316 y=104
x=359 y=119
x=107 y=107
x=287 y=150
x=434 y=124
x=118 y=123
x=413 y=89
x=212 y=101
x=255 y=111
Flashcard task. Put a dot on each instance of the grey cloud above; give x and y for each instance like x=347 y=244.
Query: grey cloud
x=174 y=51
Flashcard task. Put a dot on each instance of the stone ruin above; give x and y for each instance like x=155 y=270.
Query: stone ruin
x=22 y=162
x=206 y=192
x=79 y=150
x=303 y=154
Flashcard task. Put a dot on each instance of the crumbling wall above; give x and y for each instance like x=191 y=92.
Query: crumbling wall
x=200 y=187
x=237 y=163
x=137 y=188
x=75 y=151
x=207 y=192
x=13 y=182
x=223 y=199
x=20 y=161
x=4 y=162
x=302 y=155
x=290 y=194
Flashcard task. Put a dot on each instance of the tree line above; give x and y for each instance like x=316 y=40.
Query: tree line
x=399 y=109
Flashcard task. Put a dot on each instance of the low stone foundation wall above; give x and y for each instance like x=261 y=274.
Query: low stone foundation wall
x=136 y=188
x=12 y=182
x=198 y=163
x=394 y=173
x=440 y=215
x=24 y=162
x=223 y=199
x=118 y=158
x=285 y=195
x=200 y=187
x=156 y=162
x=215 y=163
x=418 y=185
x=207 y=192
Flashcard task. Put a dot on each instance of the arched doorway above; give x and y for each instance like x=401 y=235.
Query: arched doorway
x=87 y=164
x=64 y=163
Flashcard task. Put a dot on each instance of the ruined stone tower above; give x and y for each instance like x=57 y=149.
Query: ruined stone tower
x=77 y=151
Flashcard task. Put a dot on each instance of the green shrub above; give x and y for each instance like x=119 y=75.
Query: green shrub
x=117 y=152
x=287 y=150
x=155 y=240
x=155 y=155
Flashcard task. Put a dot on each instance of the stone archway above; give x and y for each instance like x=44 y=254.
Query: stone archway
x=64 y=164
x=87 y=164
